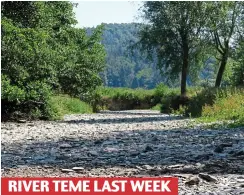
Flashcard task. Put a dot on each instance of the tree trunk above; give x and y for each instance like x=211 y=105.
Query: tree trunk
x=184 y=69
x=221 y=68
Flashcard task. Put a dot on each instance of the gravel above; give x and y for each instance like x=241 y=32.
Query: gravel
x=127 y=144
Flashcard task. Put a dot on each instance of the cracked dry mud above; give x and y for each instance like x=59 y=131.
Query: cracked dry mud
x=127 y=144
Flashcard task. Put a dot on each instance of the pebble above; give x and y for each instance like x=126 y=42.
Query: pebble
x=193 y=181
x=67 y=170
x=138 y=143
x=77 y=169
x=65 y=146
x=21 y=121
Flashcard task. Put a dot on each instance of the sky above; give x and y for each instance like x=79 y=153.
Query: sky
x=91 y=13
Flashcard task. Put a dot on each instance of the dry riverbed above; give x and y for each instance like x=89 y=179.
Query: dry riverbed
x=127 y=144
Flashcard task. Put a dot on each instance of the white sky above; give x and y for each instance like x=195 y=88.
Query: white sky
x=93 y=13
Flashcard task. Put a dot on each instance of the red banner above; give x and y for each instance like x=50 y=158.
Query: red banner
x=89 y=186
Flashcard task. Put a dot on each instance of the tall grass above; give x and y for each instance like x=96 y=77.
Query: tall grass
x=64 y=104
x=208 y=104
x=124 y=98
x=228 y=106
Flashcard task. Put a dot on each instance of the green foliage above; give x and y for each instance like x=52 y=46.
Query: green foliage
x=25 y=51
x=237 y=76
x=64 y=104
x=84 y=60
x=206 y=96
x=157 y=107
x=11 y=92
x=174 y=32
x=124 y=98
x=227 y=106
x=210 y=104
x=43 y=53
x=160 y=91
x=223 y=27
x=123 y=68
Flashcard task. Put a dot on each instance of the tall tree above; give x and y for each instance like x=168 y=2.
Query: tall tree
x=225 y=19
x=174 y=29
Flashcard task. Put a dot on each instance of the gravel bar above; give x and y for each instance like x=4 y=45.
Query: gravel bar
x=138 y=143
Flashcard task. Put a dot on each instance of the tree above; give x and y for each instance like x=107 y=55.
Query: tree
x=224 y=23
x=174 y=29
x=22 y=13
x=84 y=59
x=238 y=67
x=43 y=53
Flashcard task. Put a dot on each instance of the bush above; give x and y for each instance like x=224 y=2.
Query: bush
x=168 y=100
x=160 y=91
x=27 y=101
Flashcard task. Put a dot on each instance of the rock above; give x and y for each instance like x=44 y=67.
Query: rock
x=111 y=149
x=93 y=153
x=241 y=185
x=225 y=145
x=148 y=149
x=207 y=177
x=193 y=181
x=154 y=139
x=67 y=170
x=189 y=169
x=21 y=121
x=134 y=154
x=65 y=146
x=98 y=142
x=26 y=158
x=31 y=124
x=148 y=167
x=78 y=169
x=176 y=166
x=47 y=166
x=219 y=149
x=62 y=157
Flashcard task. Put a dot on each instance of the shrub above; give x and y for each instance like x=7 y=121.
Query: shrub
x=27 y=101
x=160 y=91
x=168 y=100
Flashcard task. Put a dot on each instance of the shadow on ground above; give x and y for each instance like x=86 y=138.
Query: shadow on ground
x=126 y=120
x=161 y=151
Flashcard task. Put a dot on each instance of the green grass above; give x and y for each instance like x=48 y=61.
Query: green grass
x=203 y=104
x=124 y=98
x=157 y=107
x=227 y=107
x=64 y=104
x=124 y=93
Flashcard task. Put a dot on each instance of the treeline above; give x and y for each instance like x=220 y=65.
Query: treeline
x=186 y=35
x=125 y=68
x=130 y=67
x=42 y=54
